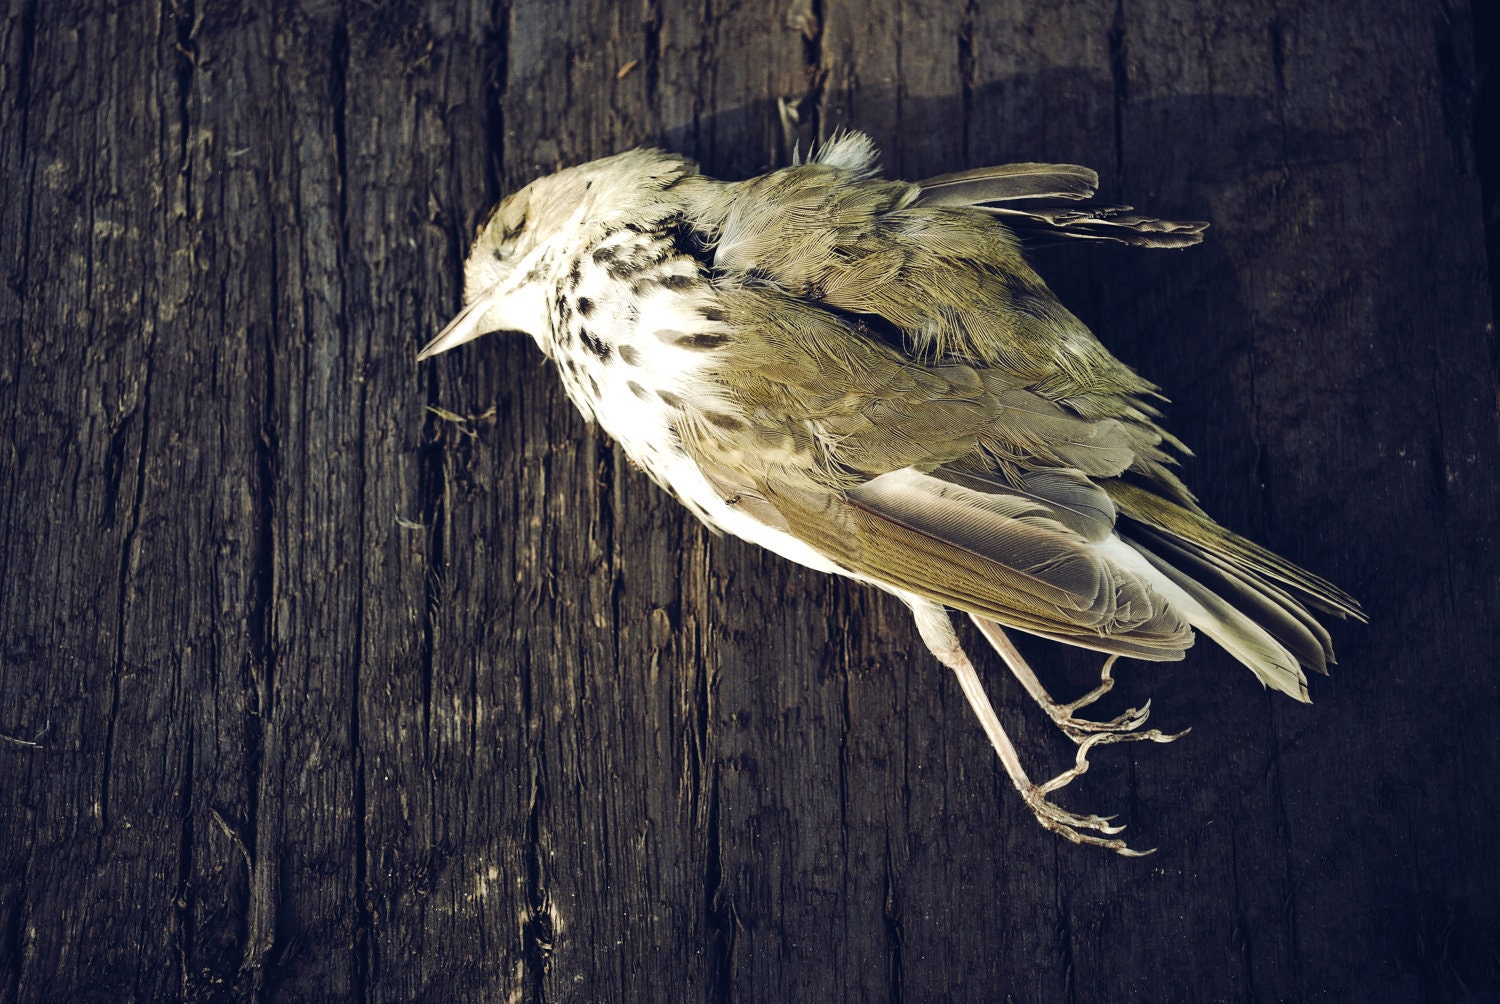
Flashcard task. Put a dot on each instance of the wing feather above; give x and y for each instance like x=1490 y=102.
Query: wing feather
x=910 y=553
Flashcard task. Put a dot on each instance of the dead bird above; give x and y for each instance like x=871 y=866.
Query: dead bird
x=865 y=376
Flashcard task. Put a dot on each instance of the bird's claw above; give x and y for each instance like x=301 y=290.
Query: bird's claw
x=1105 y=738
x=1070 y=825
x=1098 y=831
x=1080 y=729
x=1121 y=728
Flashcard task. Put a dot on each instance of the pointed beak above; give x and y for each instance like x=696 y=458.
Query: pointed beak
x=463 y=328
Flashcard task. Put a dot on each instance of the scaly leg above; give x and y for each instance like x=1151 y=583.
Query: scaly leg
x=1080 y=730
x=937 y=631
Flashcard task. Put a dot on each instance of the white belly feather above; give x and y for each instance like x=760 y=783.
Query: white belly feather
x=637 y=368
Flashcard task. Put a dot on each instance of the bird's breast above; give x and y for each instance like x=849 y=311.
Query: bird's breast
x=636 y=337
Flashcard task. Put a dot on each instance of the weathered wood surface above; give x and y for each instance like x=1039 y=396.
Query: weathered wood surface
x=333 y=698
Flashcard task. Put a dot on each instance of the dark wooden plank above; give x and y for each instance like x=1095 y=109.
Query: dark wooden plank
x=353 y=679
x=108 y=612
x=442 y=803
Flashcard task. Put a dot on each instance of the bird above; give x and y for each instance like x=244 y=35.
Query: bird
x=867 y=377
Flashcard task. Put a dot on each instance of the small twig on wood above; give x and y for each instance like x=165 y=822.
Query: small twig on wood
x=35 y=743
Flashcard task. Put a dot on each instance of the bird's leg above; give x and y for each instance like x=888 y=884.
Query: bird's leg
x=937 y=631
x=1081 y=730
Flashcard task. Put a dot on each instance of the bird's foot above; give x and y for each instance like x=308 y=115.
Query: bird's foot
x=937 y=632
x=1071 y=825
x=1121 y=728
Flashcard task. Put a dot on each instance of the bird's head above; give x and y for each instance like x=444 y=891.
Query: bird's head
x=530 y=241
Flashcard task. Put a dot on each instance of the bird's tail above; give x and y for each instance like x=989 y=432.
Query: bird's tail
x=1251 y=601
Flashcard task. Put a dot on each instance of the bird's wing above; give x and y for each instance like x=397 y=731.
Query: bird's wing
x=1009 y=183
x=951 y=483
x=944 y=481
x=939 y=283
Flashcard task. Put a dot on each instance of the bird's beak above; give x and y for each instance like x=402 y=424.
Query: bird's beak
x=463 y=328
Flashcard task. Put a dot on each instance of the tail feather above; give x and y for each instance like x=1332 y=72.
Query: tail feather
x=1250 y=600
x=1236 y=631
x=1204 y=535
x=1273 y=608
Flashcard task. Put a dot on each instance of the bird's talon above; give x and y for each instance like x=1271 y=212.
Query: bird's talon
x=1053 y=816
x=1068 y=826
x=1079 y=729
x=1130 y=853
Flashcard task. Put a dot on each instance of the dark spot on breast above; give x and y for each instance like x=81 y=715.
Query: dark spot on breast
x=636 y=389
x=669 y=399
x=683 y=340
x=712 y=313
x=726 y=422
x=604 y=255
x=630 y=355
x=575 y=274
x=624 y=269
x=593 y=343
x=676 y=281
x=585 y=306
x=593 y=384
